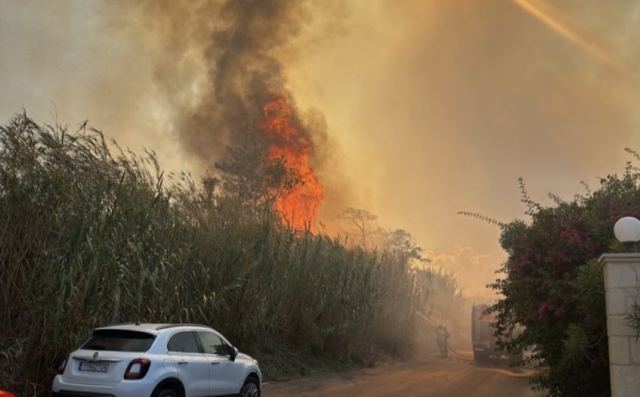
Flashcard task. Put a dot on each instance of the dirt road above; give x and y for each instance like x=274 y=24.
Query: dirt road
x=434 y=378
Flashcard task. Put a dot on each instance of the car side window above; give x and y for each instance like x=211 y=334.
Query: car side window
x=184 y=342
x=212 y=343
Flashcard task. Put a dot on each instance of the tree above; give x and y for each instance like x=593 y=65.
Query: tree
x=362 y=224
x=249 y=176
x=402 y=241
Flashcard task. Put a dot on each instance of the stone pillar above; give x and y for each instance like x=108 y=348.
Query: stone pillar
x=622 y=290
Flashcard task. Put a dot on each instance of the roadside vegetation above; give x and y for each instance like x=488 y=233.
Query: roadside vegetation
x=91 y=234
x=554 y=287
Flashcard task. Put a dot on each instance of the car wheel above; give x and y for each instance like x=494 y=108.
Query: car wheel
x=165 y=393
x=251 y=388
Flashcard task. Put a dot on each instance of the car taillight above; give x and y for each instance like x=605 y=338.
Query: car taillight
x=137 y=368
x=62 y=366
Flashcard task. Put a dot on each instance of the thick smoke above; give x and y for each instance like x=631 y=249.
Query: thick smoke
x=225 y=59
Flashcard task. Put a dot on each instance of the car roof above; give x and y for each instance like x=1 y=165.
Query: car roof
x=153 y=328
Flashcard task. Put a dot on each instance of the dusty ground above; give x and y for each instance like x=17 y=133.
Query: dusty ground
x=432 y=378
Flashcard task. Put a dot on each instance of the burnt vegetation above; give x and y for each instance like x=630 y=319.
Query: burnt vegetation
x=92 y=234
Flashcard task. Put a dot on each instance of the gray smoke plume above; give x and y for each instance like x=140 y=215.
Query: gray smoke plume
x=238 y=48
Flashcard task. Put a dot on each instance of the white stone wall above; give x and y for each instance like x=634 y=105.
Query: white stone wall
x=622 y=287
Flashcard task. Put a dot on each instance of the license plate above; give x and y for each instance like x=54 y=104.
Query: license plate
x=94 y=366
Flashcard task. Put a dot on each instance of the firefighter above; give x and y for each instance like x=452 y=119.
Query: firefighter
x=442 y=335
x=445 y=341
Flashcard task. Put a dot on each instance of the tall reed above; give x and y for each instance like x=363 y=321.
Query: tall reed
x=90 y=236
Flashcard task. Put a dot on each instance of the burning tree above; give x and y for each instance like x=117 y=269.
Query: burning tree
x=290 y=145
x=268 y=166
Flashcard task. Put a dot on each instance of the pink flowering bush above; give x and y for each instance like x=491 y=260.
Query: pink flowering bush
x=553 y=285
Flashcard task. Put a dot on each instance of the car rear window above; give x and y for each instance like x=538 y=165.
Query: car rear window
x=119 y=341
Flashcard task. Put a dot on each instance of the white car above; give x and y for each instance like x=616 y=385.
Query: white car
x=157 y=360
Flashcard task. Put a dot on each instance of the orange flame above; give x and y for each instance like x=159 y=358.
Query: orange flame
x=292 y=145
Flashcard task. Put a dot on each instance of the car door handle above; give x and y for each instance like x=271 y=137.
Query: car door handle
x=183 y=362
x=215 y=363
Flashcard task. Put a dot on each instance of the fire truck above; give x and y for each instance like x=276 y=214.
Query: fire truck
x=483 y=337
x=482 y=334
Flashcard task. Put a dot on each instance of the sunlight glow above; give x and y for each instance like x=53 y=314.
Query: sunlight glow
x=543 y=14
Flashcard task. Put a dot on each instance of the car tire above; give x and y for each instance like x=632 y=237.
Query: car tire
x=166 y=392
x=251 y=388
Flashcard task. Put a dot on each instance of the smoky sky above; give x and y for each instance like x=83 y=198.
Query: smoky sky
x=430 y=107
x=442 y=105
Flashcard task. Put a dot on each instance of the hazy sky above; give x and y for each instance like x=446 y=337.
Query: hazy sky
x=432 y=106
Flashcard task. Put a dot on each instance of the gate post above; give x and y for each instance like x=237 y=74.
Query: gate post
x=622 y=287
